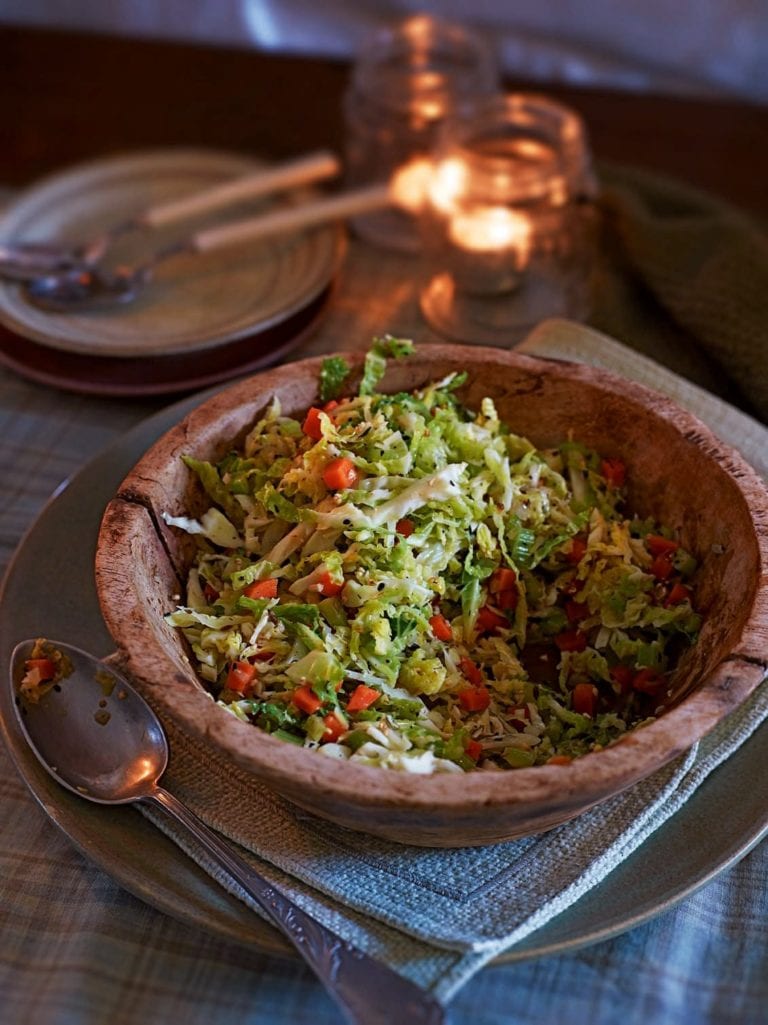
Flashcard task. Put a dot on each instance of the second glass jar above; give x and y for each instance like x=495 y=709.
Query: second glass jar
x=408 y=78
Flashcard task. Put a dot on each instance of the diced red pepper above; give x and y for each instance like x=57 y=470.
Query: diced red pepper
x=649 y=681
x=471 y=671
x=623 y=675
x=340 y=473
x=658 y=545
x=306 y=700
x=46 y=667
x=210 y=593
x=312 y=426
x=584 y=698
x=662 y=567
x=474 y=749
x=502 y=579
x=266 y=588
x=405 y=527
x=576 y=611
x=614 y=471
x=571 y=640
x=507 y=600
x=559 y=760
x=362 y=697
x=441 y=628
x=240 y=676
x=474 y=699
x=577 y=550
x=678 y=593
x=329 y=587
x=334 y=727
x=489 y=621
x=330 y=405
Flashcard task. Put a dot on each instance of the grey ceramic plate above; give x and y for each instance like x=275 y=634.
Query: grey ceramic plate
x=194 y=303
x=718 y=826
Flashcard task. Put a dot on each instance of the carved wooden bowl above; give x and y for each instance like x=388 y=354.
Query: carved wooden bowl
x=678 y=472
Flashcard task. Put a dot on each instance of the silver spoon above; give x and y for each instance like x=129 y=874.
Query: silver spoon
x=84 y=288
x=25 y=261
x=100 y=739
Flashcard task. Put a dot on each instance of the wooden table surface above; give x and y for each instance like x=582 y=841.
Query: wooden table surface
x=68 y=97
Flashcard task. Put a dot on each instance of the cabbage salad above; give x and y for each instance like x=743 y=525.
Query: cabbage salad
x=401 y=582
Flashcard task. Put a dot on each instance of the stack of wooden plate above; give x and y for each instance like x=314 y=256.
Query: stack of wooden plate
x=203 y=318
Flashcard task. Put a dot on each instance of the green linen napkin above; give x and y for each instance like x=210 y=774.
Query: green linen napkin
x=683 y=278
x=438 y=916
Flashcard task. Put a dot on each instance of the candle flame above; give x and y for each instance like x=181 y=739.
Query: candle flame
x=492 y=229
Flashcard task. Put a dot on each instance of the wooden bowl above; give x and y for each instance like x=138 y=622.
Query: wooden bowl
x=678 y=472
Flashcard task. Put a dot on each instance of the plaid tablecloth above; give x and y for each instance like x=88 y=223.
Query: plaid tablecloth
x=75 y=949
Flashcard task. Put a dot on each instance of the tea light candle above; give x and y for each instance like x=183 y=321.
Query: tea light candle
x=491 y=229
x=497 y=244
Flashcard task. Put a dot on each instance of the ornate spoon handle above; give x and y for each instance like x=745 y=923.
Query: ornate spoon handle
x=367 y=992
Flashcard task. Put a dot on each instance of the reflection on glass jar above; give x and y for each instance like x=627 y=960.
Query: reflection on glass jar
x=508 y=224
x=406 y=81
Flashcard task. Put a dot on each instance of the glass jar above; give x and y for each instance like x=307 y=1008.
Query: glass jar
x=508 y=225
x=407 y=80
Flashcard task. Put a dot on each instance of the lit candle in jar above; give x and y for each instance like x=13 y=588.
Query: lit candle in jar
x=507 y=220
x=487 y=244
x=491 y=247
x=493 y=229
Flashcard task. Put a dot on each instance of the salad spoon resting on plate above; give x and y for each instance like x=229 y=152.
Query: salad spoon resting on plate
x=27 y=260
x=84 y=288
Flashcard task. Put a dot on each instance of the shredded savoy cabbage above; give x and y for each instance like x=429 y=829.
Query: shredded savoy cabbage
x=401 y=582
